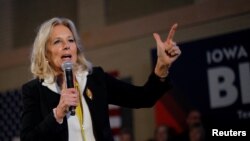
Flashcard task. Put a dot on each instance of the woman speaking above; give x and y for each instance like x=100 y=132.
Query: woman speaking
x=49 y=104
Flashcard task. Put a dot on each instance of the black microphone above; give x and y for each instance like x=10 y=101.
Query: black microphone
x=67 y=68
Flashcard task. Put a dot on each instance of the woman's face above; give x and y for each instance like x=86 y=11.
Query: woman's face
x=61 y=47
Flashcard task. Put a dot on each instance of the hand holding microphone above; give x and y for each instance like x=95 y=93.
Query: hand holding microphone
x=67 y=68
x=68 y=101
x=69 y=95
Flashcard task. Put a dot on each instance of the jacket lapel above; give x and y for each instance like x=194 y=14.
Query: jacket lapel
x=50 y=100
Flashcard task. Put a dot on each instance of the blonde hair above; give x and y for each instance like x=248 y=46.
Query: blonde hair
x=40 y=67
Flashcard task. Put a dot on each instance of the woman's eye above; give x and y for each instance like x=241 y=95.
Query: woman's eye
x=71 y=40
x=57 y=41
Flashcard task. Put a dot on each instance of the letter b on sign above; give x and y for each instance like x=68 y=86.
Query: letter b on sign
x=222 y=89
x=221 y=80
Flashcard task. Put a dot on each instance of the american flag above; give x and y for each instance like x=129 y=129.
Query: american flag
x=115 y=120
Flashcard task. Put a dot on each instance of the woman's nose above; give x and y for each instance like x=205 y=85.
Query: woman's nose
x=66 y=46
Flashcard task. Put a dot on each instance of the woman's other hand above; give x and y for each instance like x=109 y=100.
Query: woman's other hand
x=167 y=52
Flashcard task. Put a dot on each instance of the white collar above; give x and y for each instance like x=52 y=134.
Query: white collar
x=52 y=85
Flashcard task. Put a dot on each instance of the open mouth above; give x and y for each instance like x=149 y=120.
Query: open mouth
x=66 y=56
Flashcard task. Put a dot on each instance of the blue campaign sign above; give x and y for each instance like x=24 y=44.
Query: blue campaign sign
x=213 y=76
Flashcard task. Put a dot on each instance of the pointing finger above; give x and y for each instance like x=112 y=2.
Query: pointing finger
x=171 y=33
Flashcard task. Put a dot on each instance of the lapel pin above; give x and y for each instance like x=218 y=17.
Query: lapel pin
x=89 y=94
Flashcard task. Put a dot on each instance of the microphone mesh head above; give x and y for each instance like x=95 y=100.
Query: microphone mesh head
x=67 y=65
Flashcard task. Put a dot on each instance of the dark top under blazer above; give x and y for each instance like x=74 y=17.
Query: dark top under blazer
x=38 y=122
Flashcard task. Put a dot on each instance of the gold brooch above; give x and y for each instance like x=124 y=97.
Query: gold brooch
x=89 y=94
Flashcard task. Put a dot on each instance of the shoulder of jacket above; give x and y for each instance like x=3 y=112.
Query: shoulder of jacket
x=97 y=69
x=32 y=83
